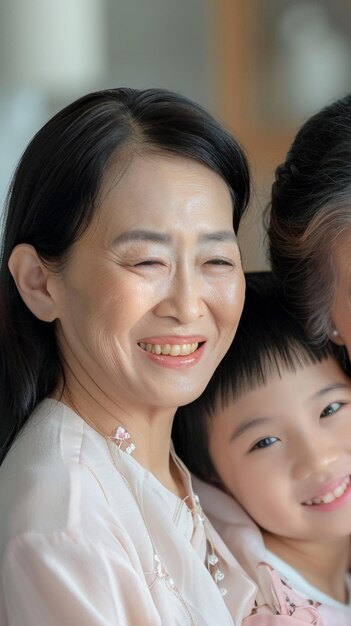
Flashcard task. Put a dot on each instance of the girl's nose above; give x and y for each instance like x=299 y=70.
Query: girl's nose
x=315 y=458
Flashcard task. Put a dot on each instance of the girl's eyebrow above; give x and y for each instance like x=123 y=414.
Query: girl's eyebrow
x=335 y=387
x=257 y=421
x=244 y=426
x=157 y=237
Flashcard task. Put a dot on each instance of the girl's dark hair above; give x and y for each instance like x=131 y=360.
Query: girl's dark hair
x=268 y=341
x=54 y=196
x=310 y=209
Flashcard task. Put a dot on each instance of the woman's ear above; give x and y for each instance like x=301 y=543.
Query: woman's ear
x=31 y=278
x=335 y=337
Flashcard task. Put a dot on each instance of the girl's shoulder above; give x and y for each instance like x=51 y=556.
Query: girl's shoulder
x=278 y=604
x=276 y=597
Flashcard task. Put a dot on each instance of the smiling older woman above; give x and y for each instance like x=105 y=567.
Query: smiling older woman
x=121 y=288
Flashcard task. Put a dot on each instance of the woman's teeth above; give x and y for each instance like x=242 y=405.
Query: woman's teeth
x=331 y=495
x=172 y=350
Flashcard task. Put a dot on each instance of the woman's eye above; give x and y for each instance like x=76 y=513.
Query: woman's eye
x=331 y=409
x=264 y=443
x=148 y=262
x=220 y=262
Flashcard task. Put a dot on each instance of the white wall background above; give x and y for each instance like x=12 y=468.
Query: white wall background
x=52 y=51
x=296 y=55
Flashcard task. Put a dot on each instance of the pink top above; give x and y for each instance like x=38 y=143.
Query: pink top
x=88 y=536
x=276 y=603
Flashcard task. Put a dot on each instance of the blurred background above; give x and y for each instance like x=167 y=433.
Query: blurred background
x=260 y=67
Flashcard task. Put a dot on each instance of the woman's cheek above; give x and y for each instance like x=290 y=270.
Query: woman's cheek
x=231 y=301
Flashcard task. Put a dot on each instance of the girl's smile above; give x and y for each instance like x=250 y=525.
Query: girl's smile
x=333 y=495
x=283 y=450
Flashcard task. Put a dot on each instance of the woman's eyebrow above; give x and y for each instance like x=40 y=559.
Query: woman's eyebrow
x=219 y=235
x=142 y=235
x=244 y=426
x=157 y=237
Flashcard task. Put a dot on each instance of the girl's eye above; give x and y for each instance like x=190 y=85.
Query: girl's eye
x=264 y=443
x=331 y=409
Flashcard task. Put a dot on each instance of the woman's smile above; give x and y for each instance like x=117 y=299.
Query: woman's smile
x=159 y=270
x=170 y=349
x=174 y=352
x=173 y=345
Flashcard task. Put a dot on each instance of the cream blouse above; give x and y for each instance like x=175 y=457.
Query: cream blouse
x=89 y=537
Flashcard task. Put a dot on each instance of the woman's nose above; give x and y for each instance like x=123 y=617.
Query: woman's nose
x=184 y=297
x=315 y=457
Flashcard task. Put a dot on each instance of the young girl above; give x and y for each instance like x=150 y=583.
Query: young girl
x=273 y=430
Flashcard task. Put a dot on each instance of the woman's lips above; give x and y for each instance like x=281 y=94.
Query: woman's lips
x=171 y=349
x=174 y=351
x=173 y=339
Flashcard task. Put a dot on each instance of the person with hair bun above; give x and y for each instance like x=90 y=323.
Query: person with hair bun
x=309 y=224
x=121 y=288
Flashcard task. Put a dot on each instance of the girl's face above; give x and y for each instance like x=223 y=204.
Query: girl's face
x=151 y=295
x=283 y=451
x=341 y=313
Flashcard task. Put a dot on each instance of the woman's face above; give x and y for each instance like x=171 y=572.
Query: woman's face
x=151 y=295
x=341 y=313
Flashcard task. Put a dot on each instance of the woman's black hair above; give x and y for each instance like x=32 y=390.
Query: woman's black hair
x=53 y=198
x=309 y=211
x=268 y=341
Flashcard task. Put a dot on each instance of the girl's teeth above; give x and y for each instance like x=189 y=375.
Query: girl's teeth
x=331 y=495
x=167 y=349
x=328 y=497
x=339 y=491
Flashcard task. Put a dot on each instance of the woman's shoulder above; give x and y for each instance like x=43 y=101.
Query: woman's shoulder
x=54 y=435
x=54 y=476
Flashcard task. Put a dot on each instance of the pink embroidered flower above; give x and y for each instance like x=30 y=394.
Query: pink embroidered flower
x=122 y=434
